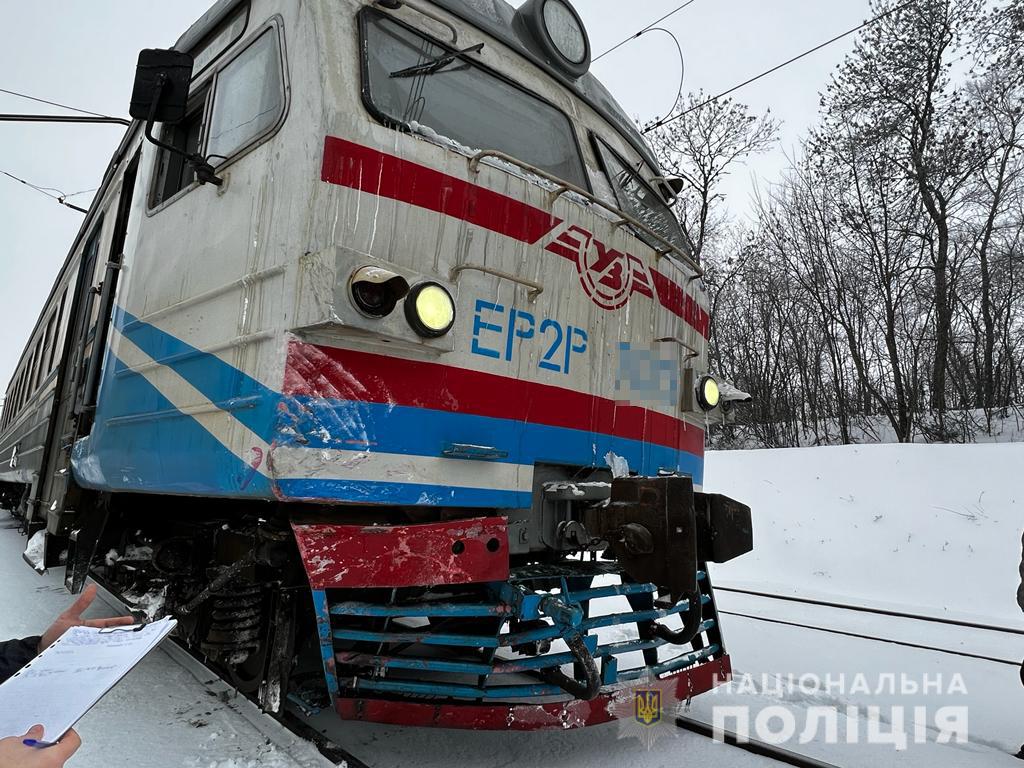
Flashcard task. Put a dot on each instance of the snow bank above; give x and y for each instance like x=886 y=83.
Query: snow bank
x=934 y=528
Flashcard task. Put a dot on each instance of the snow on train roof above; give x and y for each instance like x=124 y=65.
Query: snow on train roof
x=496 y=18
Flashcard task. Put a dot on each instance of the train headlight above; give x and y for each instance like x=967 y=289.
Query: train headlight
x=708 y=393
x=376 y=291
x=430 y=310
x=560 y=33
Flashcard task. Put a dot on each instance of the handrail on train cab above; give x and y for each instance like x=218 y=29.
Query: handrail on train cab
x=536 y=289
x=691 y=350
x=565 y=186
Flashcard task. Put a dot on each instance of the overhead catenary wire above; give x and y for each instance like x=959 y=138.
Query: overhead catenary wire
x=51 y=103
x=49 y=192
x=777 y=67
x=649 y=27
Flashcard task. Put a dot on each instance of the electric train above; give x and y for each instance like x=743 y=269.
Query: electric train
x=380 y=362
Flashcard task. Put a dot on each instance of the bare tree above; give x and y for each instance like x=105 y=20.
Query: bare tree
x=701 y=147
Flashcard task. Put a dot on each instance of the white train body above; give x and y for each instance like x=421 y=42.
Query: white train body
x=203 y=341
x=218 y=382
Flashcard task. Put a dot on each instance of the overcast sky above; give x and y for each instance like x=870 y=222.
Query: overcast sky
x=83 y=54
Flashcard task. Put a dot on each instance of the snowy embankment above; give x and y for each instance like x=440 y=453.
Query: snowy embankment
x=931 y=528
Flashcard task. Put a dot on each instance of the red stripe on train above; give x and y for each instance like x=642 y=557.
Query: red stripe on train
x=341 y=374
x=369 y=170
x=365 y=169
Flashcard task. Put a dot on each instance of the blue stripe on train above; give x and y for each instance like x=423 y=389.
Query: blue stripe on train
x=384 y=428
x=252 y=403
x=406 y=494
x=142 y=442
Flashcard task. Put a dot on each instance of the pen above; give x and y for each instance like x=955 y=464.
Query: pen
x=37 y=743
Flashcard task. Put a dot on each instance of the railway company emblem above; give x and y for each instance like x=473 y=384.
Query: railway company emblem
x=608 y=276
x=647 y=707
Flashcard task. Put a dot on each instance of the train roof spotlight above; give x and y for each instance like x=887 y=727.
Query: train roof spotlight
x=708 y=393
x=559 y=30
x=430 y=310
x=376 y=291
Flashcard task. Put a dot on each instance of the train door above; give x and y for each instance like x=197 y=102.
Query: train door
x=97 y=321
x=88 y=328
x=55 y=466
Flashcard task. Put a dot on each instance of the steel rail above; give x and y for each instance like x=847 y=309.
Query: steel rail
x=872 y=638
x=759 y=748
x=876 y=611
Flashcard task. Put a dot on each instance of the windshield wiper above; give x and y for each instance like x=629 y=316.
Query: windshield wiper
x=437 y=64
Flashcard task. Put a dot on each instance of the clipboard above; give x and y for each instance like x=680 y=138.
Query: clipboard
x=66 y=680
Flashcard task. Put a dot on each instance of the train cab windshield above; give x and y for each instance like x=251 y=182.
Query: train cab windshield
x=462 y=101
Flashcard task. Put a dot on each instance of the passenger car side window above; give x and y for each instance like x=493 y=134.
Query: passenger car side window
x=248 y=98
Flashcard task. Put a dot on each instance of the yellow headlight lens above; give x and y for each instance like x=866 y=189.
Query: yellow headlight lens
x=708 y=393
x=430 y=310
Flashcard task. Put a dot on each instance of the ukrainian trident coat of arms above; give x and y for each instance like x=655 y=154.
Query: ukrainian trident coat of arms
x=647 y=707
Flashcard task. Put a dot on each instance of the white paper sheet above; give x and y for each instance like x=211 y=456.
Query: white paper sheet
x=63 y=682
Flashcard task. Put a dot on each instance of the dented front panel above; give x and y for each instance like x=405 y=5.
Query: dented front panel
x=348 y=556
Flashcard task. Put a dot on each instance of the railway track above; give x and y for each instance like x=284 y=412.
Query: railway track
x=778 y=754
x=335 y=754
x=871 y=610
x=876 y=612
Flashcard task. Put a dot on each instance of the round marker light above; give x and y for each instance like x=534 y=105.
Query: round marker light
x=708 y=393
x=430 y=310
x=565 y=31
x=558 y=34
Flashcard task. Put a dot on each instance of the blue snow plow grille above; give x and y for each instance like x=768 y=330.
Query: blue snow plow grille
x=514 y=641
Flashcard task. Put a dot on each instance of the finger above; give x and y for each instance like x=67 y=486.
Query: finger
x=35 y=732
x=82 y=603
x=67 y=746
x=116 y=621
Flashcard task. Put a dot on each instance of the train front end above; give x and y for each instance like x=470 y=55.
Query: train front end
x=496 y=386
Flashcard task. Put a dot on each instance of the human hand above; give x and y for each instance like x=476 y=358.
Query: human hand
x=14 y=753
x=72 y=617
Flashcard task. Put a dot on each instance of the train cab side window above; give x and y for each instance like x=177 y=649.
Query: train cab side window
x=638 y=198
x=248 y=100
x=241 y=104
x=173 y=172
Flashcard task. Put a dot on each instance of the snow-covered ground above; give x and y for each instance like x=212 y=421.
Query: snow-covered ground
x=928 y=529
x=931 y=528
